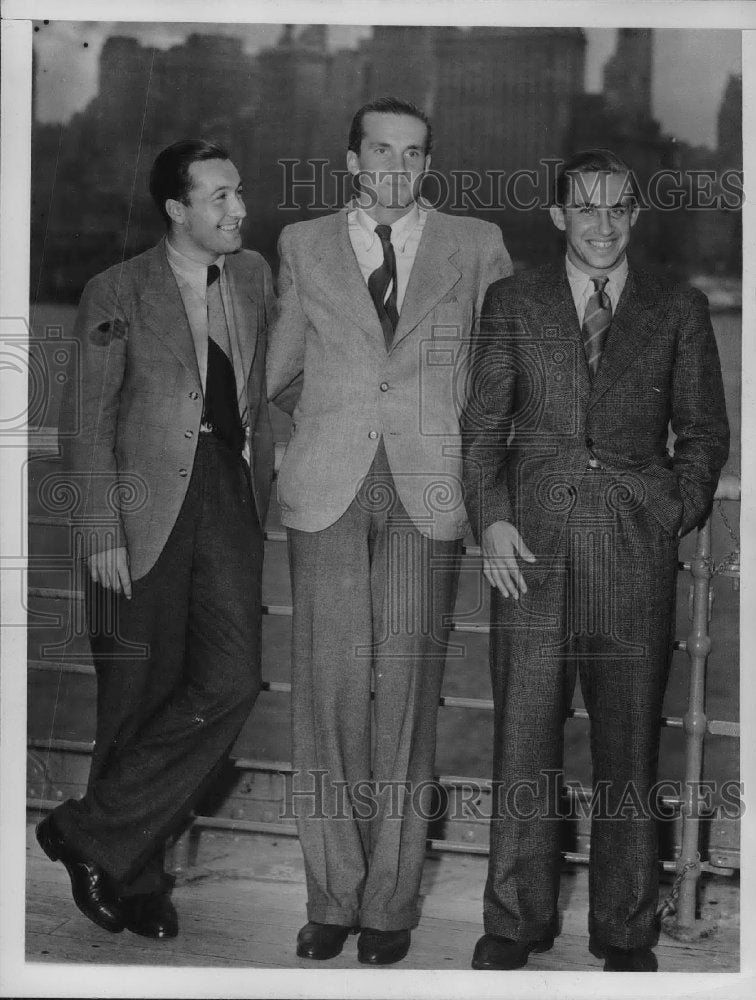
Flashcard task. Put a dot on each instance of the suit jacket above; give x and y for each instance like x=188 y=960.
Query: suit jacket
x=131 y=441
x=328 y=361
x=535 y=419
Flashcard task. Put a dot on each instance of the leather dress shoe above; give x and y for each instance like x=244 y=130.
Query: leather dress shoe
x=382 y=947
x=91 y=887
x=624 y=959
x=495 y=952
x=322 y=941
x=150 y=915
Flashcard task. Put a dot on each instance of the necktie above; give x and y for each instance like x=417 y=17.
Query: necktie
x=596 y=323
x=221 y=405
x=382 y=286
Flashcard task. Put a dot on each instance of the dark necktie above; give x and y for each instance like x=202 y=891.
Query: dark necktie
x=221 y=413
x=596 y=323
x=382 y=286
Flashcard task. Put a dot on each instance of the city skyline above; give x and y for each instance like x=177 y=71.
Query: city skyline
x=691 y=67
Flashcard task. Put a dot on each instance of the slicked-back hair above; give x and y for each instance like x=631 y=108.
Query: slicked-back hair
x=591 y=161
x=387 y=106
x=169 y=176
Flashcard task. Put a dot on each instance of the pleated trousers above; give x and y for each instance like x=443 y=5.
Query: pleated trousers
x=373 y=599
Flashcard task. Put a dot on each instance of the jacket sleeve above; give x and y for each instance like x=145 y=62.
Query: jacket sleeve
x=286 y=346
x=487 y=417
x=89 y=416
x=496 y=264
x=699 y=416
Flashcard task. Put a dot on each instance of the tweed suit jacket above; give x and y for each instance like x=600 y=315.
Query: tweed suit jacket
x=130 y=443
x=535 y=419
x=329 y=364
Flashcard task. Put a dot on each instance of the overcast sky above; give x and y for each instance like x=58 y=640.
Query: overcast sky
x=690 y=67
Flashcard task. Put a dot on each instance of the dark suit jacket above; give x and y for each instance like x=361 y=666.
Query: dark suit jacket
x=534 y=420
x=130 y=442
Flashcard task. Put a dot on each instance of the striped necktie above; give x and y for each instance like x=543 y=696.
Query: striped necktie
x=596 y=323
x=382 y=286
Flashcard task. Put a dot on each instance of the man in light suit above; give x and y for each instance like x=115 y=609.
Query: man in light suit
x=580 y=370
x=377 y=303
x=171 y=459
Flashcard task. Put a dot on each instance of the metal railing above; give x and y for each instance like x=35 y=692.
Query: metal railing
x=695 y=724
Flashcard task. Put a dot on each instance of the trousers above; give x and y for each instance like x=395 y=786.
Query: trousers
x=178 y=671
x=373 y=599
x=604 y=612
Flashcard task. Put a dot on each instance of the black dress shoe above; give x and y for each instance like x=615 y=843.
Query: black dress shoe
x=91 y=888
x=382 y=947
x=322 y=941
x=495 y=952
x=150 y=915
x=624 y=959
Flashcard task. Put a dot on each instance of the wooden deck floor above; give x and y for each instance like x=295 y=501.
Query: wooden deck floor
x=242 y=904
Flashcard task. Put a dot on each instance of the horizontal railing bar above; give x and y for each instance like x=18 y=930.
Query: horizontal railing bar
x=714 y=727
x=290 y=830
x=273 y=535
x=284 y=767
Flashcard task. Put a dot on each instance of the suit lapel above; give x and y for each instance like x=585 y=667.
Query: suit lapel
x=338 y=274
x=553 y=290
x=246 y=313
x=634 y=323
x=163 y=311
x=433 y=274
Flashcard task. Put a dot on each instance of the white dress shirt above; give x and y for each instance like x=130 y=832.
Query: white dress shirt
x=191 y=278
x=405 y=239
x=582 y=287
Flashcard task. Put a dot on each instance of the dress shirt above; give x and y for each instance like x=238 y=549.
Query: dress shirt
x=405 y=239
x=582 y=287
x=191 y=278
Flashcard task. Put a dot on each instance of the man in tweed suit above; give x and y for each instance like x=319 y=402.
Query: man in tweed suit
x=172 y=456
x=377 y=305
x=580 y=370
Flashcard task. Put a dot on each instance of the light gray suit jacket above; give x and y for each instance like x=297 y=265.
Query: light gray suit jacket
x=130 y=430
x=328 y=362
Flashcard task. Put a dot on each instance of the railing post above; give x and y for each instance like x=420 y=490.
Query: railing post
x=694 y=726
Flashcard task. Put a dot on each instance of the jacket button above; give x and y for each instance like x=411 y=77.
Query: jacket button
x=589 y=442
x=373 y=435
x=183 y=473
x=188 y=434
x=193 y=395
x=384 y=386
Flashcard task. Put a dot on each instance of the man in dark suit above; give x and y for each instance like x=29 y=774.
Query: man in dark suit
x=580 y=370
x=170 y=457
x=377 y=305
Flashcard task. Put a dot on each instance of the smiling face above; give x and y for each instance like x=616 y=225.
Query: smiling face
x=209 y=223
x=390 y=163
x=597 y=218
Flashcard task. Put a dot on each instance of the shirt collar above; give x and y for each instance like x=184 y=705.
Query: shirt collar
x=192 y=271
x=401 y=230
x=580 y=281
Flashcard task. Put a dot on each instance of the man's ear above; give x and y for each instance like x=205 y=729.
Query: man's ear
x=557 y=216
x=176 y=211
x=634 y=213
x=353 y=162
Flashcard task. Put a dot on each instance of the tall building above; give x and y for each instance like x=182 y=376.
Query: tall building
x=620 y=118
x=628 y=75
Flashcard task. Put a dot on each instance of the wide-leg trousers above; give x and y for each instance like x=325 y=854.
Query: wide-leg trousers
x=178 y=670
x=373 y=599
x=603 y=610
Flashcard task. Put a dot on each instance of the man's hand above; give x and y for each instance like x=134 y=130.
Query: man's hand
x=501 y=544
x=110 y=568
